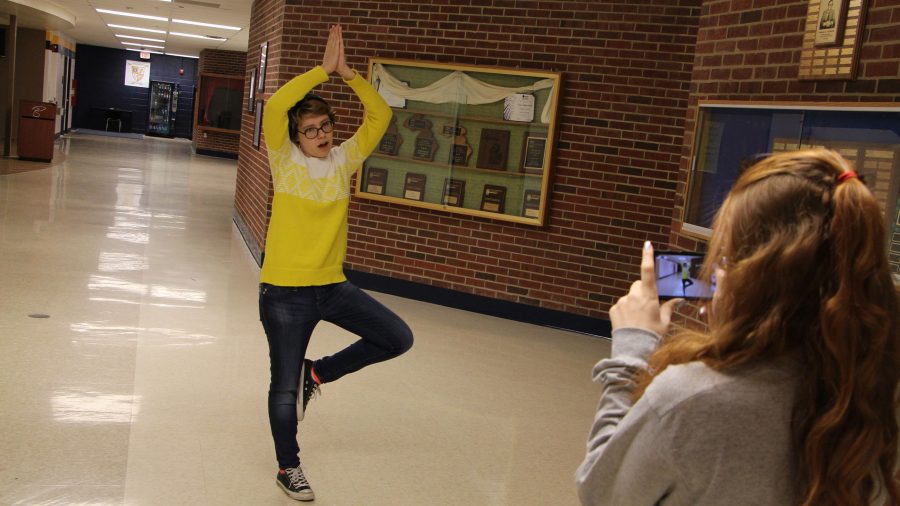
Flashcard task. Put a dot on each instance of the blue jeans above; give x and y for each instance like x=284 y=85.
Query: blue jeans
x=289 y=315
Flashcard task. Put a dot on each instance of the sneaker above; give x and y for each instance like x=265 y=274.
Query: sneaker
x=308 y=386
x=294 y=484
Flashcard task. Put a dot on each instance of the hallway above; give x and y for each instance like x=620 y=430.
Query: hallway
x=134 y=370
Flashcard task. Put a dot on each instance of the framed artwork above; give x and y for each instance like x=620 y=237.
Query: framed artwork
x=261 y=79
x=252 y=101
x=831 y=20
x=257 y=123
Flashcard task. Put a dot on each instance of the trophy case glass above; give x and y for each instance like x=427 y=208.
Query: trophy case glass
x=463 y=139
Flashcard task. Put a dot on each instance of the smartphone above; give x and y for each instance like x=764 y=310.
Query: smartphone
x=677 y=275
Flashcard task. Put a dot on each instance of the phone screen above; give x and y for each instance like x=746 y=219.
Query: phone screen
x=677 y=275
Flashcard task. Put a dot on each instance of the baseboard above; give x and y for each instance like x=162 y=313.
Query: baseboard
x=480 y=304
x=218 y=154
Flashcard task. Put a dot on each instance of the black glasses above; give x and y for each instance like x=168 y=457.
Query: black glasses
x=313 y=132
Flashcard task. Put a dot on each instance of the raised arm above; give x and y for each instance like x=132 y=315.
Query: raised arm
x=376 y=115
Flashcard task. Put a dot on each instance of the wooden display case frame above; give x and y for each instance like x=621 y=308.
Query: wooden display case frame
x=234 y=82
x=442 y=141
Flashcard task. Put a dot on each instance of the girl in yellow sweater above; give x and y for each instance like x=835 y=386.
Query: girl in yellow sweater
x=302 y=280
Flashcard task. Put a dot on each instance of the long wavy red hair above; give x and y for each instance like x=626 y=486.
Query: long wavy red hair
x=807 y=275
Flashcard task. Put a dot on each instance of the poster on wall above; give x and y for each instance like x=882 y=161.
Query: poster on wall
x=137 y=73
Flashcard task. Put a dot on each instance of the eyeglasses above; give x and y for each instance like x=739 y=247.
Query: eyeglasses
x=313 y=132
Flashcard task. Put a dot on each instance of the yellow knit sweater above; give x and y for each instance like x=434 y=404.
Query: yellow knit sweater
x=307 y=238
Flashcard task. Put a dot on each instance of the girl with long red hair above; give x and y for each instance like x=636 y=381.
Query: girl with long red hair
x=791 y=395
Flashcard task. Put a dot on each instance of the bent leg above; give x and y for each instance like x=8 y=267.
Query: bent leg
x=383 y=335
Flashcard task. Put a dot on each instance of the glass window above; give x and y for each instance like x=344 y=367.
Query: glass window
x=731 y=138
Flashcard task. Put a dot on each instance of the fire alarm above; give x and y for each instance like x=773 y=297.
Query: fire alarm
x=181 y=72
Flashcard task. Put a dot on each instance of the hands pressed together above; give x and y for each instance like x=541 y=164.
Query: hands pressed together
x=334 y=60
x=640 y=307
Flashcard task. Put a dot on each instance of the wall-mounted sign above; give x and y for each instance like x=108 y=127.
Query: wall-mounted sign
x=137 y=73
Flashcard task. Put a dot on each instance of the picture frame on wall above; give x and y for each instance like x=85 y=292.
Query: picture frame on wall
x=257 y=123
x=831 y=21
x=261 y=79
x=252 y=101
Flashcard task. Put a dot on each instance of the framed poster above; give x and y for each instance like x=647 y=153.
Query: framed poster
x=252 y=101
x=831 y=20
x=261 y=79
x=257 y=123
x=137 y=73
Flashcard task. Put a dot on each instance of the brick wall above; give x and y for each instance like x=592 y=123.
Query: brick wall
x=232 y=63
x=253 y=188
x=626 y=69
x=749 y=50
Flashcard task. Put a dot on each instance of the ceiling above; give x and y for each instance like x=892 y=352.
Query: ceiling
x=80 y=20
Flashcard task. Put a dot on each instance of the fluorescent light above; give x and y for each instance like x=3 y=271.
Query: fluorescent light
x=205 y=24
x=142 y=45
x=151 y=30
x=130 y=15
x=142 y=50
x=183 y=55
x=139 y=38
x=210 y=37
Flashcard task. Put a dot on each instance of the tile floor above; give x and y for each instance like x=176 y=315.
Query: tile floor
x=133 y=368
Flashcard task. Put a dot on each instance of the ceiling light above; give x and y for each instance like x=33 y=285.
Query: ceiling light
x=205 y=24
x=183 y=55
x=139 y=38
x=136 y=28
x=210 y=37
x=130 y=15
x=142 y=45
x=143 y=50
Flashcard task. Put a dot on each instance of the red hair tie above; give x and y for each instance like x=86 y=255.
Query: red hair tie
x=847 y=175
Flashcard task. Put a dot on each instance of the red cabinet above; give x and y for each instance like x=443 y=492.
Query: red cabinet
x=37 y=127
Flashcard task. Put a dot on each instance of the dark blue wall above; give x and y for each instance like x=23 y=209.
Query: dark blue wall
x=100 y=77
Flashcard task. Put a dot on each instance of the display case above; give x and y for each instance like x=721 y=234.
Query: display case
x=463 y=139
x=219 y=102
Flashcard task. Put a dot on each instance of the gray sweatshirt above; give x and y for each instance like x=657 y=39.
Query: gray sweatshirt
x=696 y=437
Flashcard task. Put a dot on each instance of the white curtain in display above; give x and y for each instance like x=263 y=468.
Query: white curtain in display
x=456 y=87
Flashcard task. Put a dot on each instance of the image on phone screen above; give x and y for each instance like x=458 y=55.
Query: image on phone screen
x=677 y=275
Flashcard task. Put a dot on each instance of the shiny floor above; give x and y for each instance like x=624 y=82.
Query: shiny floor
x=134 y=370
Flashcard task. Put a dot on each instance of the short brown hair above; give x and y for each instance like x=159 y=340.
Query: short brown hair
x=310 y=105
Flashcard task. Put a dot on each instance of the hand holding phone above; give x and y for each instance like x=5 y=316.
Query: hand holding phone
x=677 y=275
x=640 y=307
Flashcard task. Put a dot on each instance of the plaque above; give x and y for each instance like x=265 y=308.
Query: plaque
x=417 y=122
x=414 y=187
x=426 y=144
x=531 y=204
x=460 y=150
x=391 y=140
x=493 y=199
x=454 y=192
x=376 y=180
x=493 y=149
x=533 y=154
